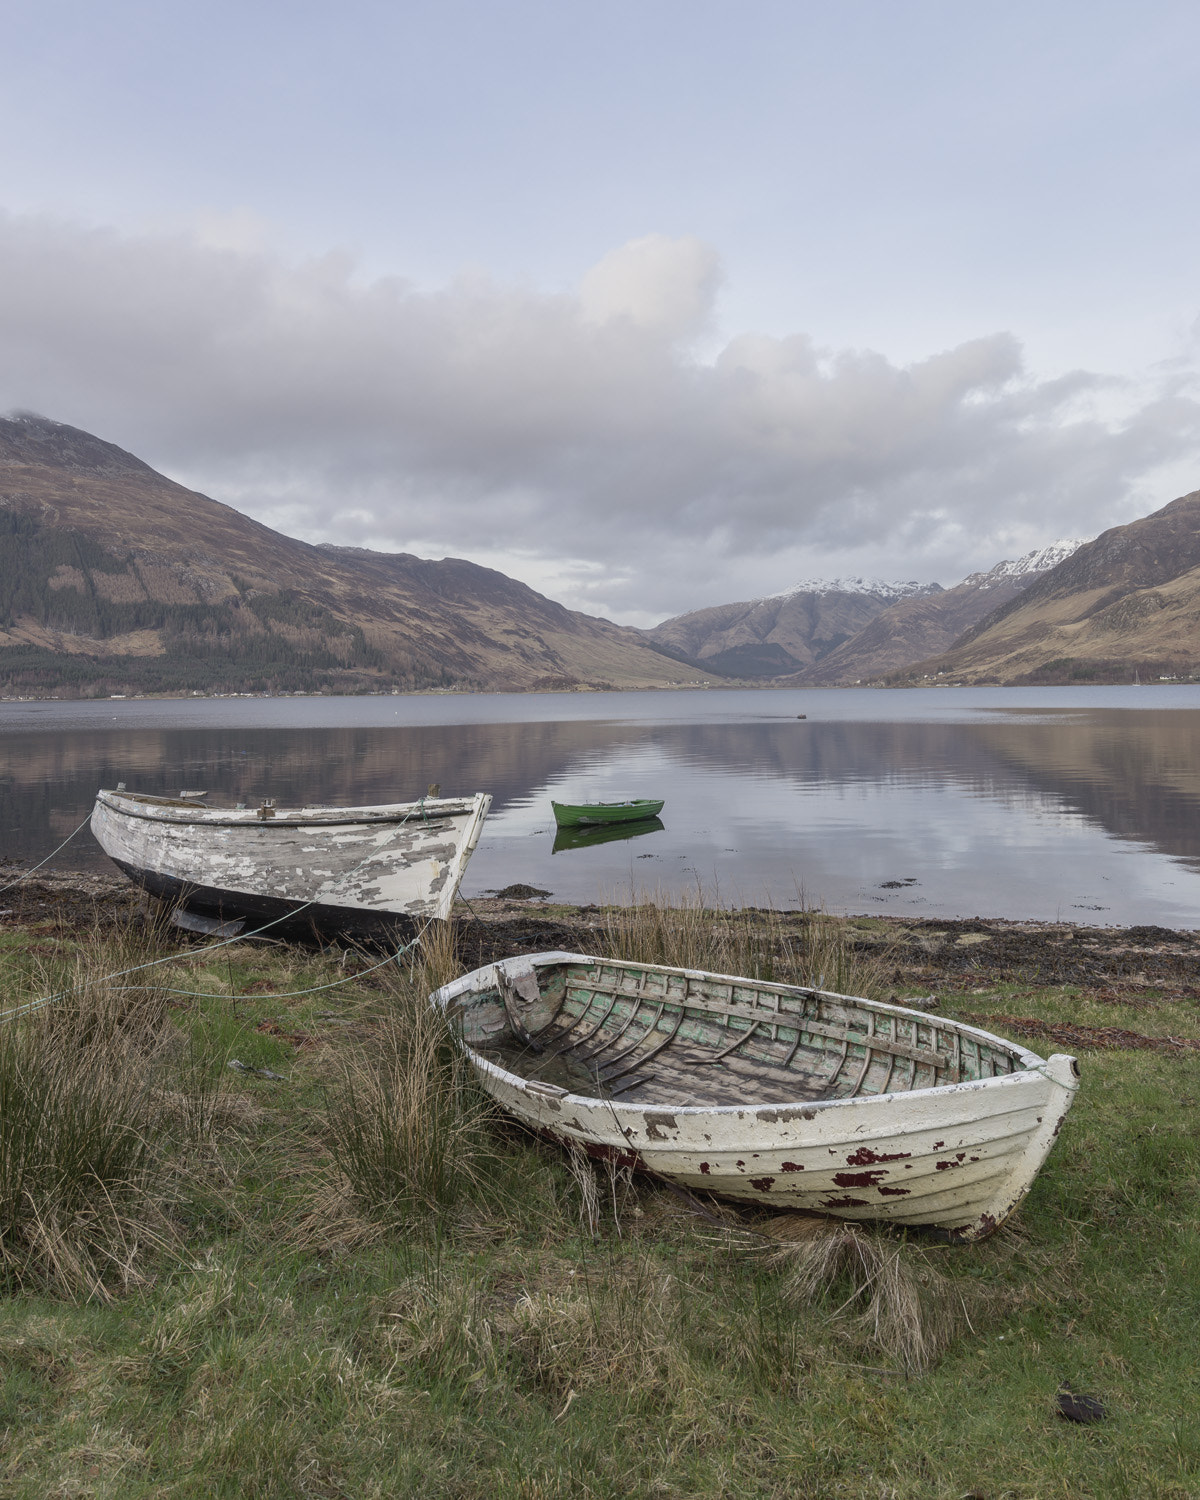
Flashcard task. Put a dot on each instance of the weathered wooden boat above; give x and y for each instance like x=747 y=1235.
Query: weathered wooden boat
x=768 y=1093
x=357 y=871
x=591 y=814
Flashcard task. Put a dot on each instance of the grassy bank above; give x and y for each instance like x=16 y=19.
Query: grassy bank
x=332 y=1271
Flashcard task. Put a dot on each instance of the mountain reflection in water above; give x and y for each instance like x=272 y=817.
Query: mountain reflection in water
x=1071 y=809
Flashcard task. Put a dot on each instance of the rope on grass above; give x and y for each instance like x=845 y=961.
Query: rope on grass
x=31 y=1005
x=283 y=994
x=124 y=989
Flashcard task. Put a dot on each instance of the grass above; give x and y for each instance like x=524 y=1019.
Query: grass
x=686 y=932
x=312 y=1316
x=405 y=1121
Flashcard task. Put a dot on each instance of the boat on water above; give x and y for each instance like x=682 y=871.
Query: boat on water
x=771 y=1094
x=594 y=814
x=354 y=871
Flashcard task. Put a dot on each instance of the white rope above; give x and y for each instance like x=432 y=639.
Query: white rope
x=31 y=1005
x=25 y=874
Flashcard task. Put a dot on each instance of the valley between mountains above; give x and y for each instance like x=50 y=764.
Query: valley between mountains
x=116 y=579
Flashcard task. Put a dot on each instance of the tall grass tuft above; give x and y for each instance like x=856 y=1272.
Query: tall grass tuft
x=896 y=1303
x=405 y=1119
x=684 y=931
x=78 y=1119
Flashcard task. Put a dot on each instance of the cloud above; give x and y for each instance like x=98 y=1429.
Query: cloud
x=663 y=285
x=578 y=439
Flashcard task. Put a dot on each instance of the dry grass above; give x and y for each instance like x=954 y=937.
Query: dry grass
x=79 y=1115
x=895 y=1301
x=682 y=930
x=618 y=1328
x=405 y=1119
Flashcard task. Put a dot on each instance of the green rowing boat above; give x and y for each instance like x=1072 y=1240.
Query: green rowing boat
x=589 y=814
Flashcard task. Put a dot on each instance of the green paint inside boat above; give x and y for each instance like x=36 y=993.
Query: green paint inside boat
x=590 y=814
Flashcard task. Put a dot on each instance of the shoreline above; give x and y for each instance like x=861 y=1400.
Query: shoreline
x=961 y=953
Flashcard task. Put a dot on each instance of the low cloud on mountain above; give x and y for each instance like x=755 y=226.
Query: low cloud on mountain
x=608 y=445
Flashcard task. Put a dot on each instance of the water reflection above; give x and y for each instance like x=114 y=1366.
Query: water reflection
x=612 y=833
x=1090 y=815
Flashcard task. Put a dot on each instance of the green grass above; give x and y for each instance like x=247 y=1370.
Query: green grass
x=534 y=1328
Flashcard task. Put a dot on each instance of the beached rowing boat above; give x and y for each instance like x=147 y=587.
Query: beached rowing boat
x=774 y=1094
x=594 y=814
x=358 y=871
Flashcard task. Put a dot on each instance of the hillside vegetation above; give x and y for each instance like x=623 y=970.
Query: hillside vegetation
x=116 y=579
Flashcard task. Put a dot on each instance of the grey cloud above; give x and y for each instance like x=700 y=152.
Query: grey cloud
x=485 y=419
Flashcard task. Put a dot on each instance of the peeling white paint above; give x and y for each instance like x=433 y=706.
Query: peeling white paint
x=959 y=1156
x=405 y=858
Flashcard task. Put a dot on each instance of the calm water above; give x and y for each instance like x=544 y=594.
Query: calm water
x=1075 y=804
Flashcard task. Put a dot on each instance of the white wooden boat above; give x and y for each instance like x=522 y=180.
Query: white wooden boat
x=768 y=1093
x=351 y=870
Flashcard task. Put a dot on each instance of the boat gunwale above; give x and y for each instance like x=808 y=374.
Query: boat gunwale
x=172 y=810
x=626 y=802
x=1033 y=1065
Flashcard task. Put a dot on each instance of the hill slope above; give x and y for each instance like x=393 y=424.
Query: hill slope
x=838 y=633
x=922 y=625
x=1127 y=603
x=114 y=578
x=785 y=633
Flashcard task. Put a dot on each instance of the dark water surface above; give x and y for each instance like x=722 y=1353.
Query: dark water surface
x=1078 y=804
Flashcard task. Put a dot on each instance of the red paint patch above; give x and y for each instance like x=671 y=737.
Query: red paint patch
x=792 y=1166
x=944 y=1166
x=704 y=1168
x=844 y=1203
x=762 y=1184
x=859 y=1179
x=865 y=1157
x=895 y=1192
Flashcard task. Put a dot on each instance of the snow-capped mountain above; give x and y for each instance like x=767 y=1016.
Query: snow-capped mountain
x=838 y=630
x=877 y=587
x=1040 y=560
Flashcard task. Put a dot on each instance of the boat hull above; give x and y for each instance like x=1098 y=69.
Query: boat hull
x=957 y=1157
x=351 y=871
x=602 y=814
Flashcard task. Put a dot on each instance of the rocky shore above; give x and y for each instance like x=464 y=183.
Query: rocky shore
x=965 y=955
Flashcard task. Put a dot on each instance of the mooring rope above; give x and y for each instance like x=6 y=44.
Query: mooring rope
x=25 y=874
x=315 y=989
x=29 y=1006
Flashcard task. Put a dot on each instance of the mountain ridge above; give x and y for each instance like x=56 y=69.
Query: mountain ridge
x=845 y=631
x=114 y=578
x=1125 y=603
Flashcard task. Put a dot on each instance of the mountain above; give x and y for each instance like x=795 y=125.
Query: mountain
x=114 y=578
x=1125 y=604
x=782 y=634
x=838 y=632
x=923 y=625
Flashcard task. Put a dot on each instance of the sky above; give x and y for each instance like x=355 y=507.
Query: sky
x=653 y=306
